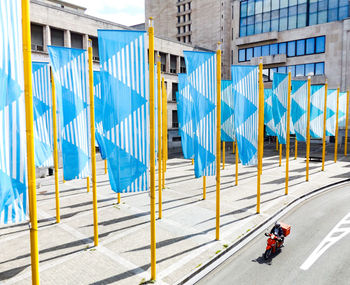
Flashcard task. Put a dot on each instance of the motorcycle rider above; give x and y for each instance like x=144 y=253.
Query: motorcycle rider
x=278 y=232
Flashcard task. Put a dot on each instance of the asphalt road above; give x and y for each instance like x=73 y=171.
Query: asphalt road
x=312 y=224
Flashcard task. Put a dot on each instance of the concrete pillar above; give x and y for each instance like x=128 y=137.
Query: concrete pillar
x=167 y=63
x=85 y=41
x=178 y=62
x=46 y=37
x=67 y=39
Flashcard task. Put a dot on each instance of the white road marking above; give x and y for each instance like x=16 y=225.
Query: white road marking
x=336 y=234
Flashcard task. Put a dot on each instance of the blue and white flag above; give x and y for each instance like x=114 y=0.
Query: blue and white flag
x=99 y=114
x=42 y=104
x=343 y=97
x=299 y=108
x=13 y=152
x=316 y=111
x=124 y=73
x=70 y=70
x=279 y=105
x=331 y=113
x=201 y=70
x=184 y=113
x=268 y=116
x=227 y=112
x=245 y=86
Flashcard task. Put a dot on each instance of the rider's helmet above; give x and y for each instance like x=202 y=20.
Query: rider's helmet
x=277 y=224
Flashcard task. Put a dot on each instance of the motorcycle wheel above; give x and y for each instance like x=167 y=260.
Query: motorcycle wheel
x=267 y=253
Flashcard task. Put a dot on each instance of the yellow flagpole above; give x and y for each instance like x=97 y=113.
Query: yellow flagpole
x=218 y=138
x=288 y=131
x=28 y=95
x=164 y=132
x=106 y=167
x=260 y=134
x=236 y=180
x=336 y=129
x=280 y=162
x=192 y=160
x=204 y=187
x=324 y=126
x=223 y=155
x=308 y=127
x=159 y=101
x=118 y=198
x=347 y=124
x=55 y=151
x=152 y=149
x=296 y=148
x=88 y=184
x=93 y=152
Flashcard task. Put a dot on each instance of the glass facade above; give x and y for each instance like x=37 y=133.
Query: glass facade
x=261 y=16
x=296 y=70
x=292 y=48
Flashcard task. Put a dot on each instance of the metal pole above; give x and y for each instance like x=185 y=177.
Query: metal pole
x=55 y=151
x=192 y=160
x=160 y=188
x=324 y=126
x=93 y=151
x=88 y=184
x=280 y=162
x=204 y=187
x=296 y=148
x=308 y=127
x=260 y=136
x=28 y=95
x=288 y=131
x=336 y=129
x=346 y=124
x=223 y=155
x=164 y=132
x=106 y=167
x=118 y=198
x=218 y=139
x=152 y=150
x=236 y=181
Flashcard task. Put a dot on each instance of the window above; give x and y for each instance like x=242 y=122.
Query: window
x=257 y=51
x=37 y=37
x=320 y=44
x=274 y=49
x=95 y=55
x=282 y=69
x=178 y=19
x=57 y=37
x=172 y=64
x=178 y=9
x=310 y=69
x=282 y=48
x=175 y=122
x=291 y=49
x=249 y=54
x=319 y=68
x=173 y=91
x=300 y=70
x=265 y=50
x=310 y=46
x=182 y=65
x=162 y=61
x=76 y=40
x=241 y=55
x=300 y=47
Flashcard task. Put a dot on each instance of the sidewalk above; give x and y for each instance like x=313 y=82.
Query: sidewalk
x=185 y=235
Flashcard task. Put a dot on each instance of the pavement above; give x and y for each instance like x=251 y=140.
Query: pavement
x=185 y=235
x=316 y=252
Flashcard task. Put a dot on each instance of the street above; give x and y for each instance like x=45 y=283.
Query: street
x=316 y=252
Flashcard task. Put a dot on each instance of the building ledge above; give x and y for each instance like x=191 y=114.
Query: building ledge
x=270 y=59
x=264 y=37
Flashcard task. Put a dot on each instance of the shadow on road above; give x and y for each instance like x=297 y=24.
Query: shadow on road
x=262 y=260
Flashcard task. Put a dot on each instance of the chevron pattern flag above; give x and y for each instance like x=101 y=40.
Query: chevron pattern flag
x=268 y=117
x=13 y=152
x=70 y=70
x=245 y=86
x=124 y=71
x=342 y=109
x=316 y=111
x=227 y=112
x=279 y=103
x=331 y=111
x=185 y=113
x=299 y=108
x=99 y=114
x=42 y=103
x=201 y=70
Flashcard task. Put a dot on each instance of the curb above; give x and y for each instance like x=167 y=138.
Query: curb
x=213 y=263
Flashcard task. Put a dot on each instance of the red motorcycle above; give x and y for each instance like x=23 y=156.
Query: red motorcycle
x=273 y=243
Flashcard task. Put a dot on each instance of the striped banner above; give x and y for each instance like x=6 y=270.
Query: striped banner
x=13 y=152
x=268 y=117
x=316 y=111
x=279 y=103
x=184 y=113
x=42 y=104
x=70 y=70
x=245 y=86
x=227 y=112
x=342 y=109
x=99 y=114
x=331 y=111
x=124 y=73
x=299 y=108
x=202 y=79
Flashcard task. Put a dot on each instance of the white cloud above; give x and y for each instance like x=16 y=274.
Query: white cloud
x=125 y=12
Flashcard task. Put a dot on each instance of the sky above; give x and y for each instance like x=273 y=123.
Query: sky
x=125 y=12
